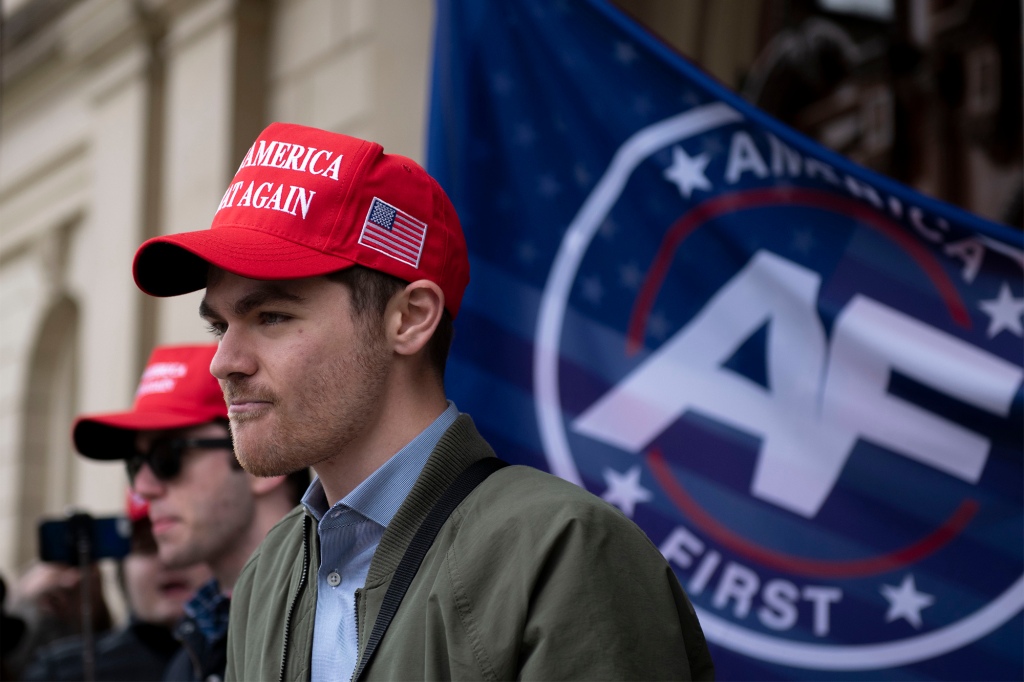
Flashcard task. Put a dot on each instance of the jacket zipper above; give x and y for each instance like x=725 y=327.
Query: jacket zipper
x=186 y=644
x=355 y=606
x=298 y=591
x=196 y=665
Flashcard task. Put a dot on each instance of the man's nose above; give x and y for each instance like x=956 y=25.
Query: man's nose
x=233 y=358
x=146 y=484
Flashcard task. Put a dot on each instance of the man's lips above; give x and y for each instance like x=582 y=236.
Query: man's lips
x=179 y=589
x=163 y=524
x=246 y=406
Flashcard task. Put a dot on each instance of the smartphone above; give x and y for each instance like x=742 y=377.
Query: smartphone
x=107 y=537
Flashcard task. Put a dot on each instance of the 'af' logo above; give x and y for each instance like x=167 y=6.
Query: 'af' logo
x=821 y=402
x=826 y=404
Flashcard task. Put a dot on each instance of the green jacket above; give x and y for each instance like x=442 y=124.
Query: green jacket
x=531 y=578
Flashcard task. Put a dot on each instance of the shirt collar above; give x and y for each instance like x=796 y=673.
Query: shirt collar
x=208 y=609
x=382 y=493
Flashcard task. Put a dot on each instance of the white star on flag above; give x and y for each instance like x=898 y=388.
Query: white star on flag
x=548 y=186
x=527 y=252
x=803 y=241
x=631 y=276
x=658 y=325
x=625 y=52
x=906 y=602
x=502 y=83
x=608 y=229
x=592 y=289
x=624 y=490
x=687 y=172
x=1004 y=312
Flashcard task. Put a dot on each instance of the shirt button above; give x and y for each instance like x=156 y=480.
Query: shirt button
x=333 y=578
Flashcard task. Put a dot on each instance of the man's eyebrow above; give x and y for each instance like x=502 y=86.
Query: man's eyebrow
x=269 y=293
x=206 y=312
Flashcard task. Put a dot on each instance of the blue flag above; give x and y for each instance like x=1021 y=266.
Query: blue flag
x=803 y=380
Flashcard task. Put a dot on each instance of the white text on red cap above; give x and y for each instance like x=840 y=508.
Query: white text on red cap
x=161 y=377
x=271 y=196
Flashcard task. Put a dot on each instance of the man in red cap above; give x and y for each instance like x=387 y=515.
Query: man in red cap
x=333 y=272
x=202 y=506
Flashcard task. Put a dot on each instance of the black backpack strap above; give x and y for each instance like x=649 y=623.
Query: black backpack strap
x=462 y=486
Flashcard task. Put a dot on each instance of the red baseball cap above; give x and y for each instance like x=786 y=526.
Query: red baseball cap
x=176 y=391
x=308 y=202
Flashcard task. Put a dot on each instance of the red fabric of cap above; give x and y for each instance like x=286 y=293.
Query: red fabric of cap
x=176 y=391
x=307 y=202
x=136 y=508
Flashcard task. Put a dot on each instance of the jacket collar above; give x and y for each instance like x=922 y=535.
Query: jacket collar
x=460 y=446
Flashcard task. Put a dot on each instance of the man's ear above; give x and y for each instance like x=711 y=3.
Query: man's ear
x=261 y=485
x=413 y=315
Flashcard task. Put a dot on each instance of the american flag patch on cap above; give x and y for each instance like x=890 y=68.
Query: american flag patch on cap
x=393 y=232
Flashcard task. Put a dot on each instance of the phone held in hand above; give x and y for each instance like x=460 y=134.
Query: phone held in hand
x=66 y=540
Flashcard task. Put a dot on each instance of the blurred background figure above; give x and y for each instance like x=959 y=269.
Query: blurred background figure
x=155 y=594
x=47 y=598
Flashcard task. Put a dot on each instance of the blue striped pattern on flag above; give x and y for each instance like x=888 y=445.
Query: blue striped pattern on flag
x=393 y=232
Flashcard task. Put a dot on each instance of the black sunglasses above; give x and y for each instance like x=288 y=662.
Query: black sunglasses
x=164 y=456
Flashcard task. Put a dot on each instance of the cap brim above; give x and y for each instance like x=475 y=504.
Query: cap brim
x=177 y=264
x=112 y=436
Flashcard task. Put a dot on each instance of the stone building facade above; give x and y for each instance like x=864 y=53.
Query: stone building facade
x=124 y=119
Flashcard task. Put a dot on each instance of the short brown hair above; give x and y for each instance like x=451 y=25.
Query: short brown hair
x=371 y=290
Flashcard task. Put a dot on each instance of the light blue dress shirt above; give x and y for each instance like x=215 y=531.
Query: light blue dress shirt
x=349 y=534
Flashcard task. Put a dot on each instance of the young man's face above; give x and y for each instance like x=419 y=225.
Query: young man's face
x=304 y=381
x=203 y=512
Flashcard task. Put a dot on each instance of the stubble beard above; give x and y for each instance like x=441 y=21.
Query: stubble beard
x=324 y=419
x=178 y=554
